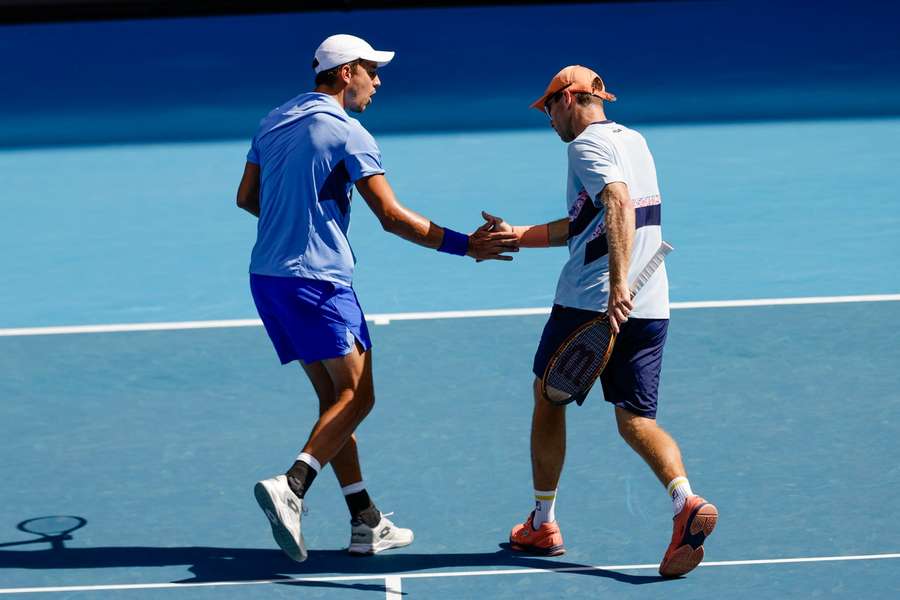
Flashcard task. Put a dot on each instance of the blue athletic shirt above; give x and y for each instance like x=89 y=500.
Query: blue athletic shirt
x=310 y=153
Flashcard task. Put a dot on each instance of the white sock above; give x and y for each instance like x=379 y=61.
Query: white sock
x=679 y=489
x=544 y=507
x=353 y=488
x=310 y=460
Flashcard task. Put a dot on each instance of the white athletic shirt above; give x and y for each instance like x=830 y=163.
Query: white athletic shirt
x=604 y=153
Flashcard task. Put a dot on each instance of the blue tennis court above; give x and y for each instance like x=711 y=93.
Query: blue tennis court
x=787 y=414
x=141 y=400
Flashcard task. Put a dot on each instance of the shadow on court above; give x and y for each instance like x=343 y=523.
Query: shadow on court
x=248 y=564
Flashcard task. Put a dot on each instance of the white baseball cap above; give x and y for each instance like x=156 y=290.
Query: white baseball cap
x=342 y=48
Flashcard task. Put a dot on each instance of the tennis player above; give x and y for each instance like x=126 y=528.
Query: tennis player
x=303 y=163
x=612 y=230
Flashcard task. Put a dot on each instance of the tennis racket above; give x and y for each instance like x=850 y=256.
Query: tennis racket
x=581 y=358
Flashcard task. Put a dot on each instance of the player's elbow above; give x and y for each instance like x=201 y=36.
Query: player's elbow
x=391 y=223
x=250 y=203
x=615 y=197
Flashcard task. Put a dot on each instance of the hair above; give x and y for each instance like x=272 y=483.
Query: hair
x=330 y=77
x=583 y=98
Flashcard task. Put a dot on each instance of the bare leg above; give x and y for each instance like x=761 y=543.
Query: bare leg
x=346 y=462
x=548 y=441
x=652 y=443
x=695 y=519
x=540 y=533
x=354 y=397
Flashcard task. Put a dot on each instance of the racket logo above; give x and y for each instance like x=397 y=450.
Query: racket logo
x=578 y=362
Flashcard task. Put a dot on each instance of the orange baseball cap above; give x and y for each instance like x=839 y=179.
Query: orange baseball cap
x=575 y=78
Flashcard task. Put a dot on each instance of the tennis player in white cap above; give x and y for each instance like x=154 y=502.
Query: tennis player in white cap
x=303 y=163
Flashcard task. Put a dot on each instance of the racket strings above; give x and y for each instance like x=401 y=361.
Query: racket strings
x=577 y=365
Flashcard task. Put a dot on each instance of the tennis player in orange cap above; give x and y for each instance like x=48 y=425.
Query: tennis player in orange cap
x=613 y=229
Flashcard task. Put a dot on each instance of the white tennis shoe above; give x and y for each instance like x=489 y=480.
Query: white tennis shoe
x=283 y=509
x=384 y=536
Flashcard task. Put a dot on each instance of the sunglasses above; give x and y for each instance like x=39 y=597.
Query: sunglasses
x=549 y=102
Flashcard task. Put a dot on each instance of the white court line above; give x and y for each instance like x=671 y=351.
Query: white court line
x=394 y=579
x=387 y=318
x=393 y=589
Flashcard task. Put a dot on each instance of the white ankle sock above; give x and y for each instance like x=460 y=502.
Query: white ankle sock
x=544 y=507
x=310 y=460
x=679 y=489
x=353 y=488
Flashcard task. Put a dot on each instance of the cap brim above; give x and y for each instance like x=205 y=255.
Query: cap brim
x=539 y=103
x=379 y=57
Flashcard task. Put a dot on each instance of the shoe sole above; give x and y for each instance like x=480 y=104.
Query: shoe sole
x=687 y=556
x=283 y=537
x=537 y=550
x=381 y=546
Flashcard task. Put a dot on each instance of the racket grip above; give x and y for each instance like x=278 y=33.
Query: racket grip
x=652 y=265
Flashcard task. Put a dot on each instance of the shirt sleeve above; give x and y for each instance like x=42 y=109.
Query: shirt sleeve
x=363 y=155
x=253 y=154
x=595 y=166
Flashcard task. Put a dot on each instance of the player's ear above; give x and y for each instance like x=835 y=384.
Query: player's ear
x=346 y=72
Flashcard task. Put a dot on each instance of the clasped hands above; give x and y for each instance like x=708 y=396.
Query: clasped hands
x=492 y=240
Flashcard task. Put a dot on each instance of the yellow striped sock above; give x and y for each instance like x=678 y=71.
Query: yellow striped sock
x=675 y=483
x=544 y=507
x=679 y=489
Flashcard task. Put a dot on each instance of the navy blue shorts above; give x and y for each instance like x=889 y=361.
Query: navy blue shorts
x=631 y=378
x=309 y=319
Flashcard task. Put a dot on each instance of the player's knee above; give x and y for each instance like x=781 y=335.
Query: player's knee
x=630 y=425
x=540 y=402
x=544 y=410
x=359 y=401
x=364 y=401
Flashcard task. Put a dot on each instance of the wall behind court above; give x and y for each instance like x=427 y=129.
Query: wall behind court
x=456 y=68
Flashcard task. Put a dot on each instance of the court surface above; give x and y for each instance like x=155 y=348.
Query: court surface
x=788 y=414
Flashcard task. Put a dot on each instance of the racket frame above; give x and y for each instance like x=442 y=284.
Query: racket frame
x=580 y=396
x=643 y=277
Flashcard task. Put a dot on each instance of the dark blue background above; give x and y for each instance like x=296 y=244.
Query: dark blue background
x=462 y=68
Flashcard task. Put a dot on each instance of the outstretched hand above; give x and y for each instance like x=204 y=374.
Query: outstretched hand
x=505 y=238
x=492 y=223
x=491 y=245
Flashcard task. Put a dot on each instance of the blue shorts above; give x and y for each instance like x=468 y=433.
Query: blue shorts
x=631 y=378
x=309 y=319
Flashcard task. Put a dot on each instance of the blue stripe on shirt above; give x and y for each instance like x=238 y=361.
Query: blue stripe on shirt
x=643 y=216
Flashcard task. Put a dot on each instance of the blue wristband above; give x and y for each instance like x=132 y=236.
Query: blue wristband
x=454 y=243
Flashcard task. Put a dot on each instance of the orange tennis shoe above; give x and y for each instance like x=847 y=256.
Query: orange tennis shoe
x=692 y=526
x=546 y=540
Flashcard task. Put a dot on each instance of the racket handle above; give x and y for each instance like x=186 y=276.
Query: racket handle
x=652 y=265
